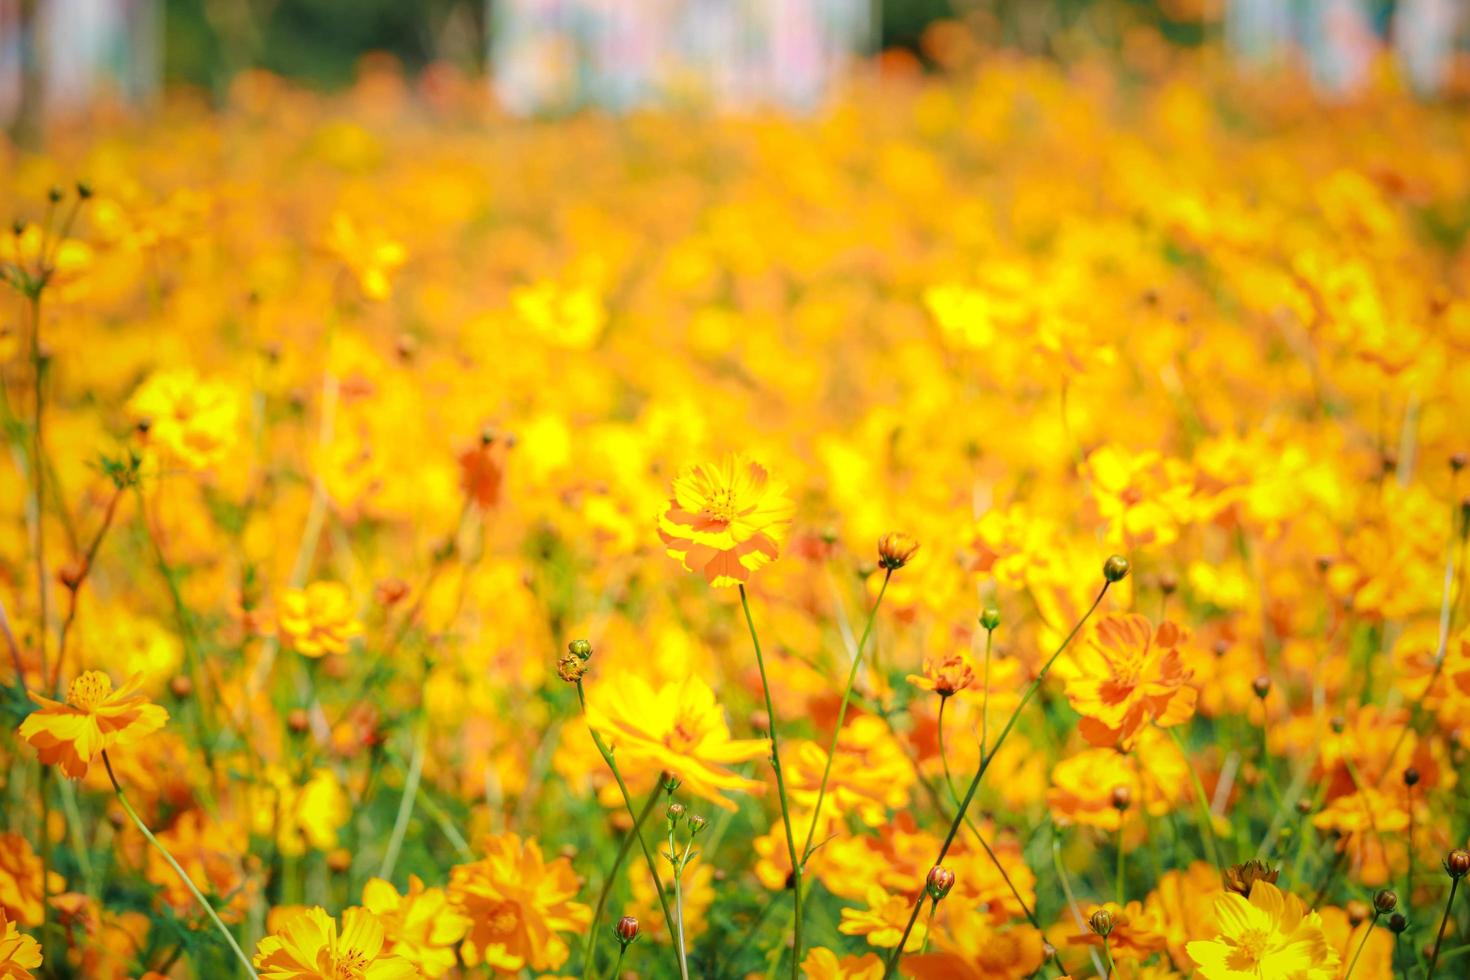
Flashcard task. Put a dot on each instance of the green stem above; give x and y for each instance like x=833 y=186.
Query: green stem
x=405 y=804
x=1120 y=898
x=1108 y=956
x=985 y=696
x=1207 y=821
x=607 y=757
x=780 y=788
x=183 y=876
x=1448 y=905
x=989 y=757
x=944 y=757
x=857 y=661
x=1359 y=952
x=589 y=945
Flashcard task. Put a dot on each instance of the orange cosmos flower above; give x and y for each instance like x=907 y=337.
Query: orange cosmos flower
x=19 y=953
x=946 y=677
x=20 y=880
x=974 y=947
x=319 y=619
x=726 y=520
x=679 y=728
x=310 y=947
x=1126 y=676
x=93 y=719
x=516 y=904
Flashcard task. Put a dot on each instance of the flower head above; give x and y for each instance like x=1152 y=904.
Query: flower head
x=190 y=421
x=1270 y=934
x=823 y=964
x=93 y=718
x=420 y=925
x=310 y=947
x=516 y=904
x=726 y=519
x=678 y=728
x=1128 y=675
x=319 y=619
x=19 y=953
x=883 y=921
x=946 y=677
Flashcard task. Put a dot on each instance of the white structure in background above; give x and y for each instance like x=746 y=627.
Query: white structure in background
x=549 y=55
x=81 y=47
x=1339 y=39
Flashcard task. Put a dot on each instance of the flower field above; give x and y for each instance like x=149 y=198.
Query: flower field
x=1010 y=523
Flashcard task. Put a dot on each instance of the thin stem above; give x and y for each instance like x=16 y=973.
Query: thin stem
x=780 y=786
x=857 y=661
x=749 y=935
x=954 y=827
x=405 y=804
x=622 y=951
x=589 y=945
x=985 y=696
x=607 y=757
x=38 y=474
x=1108 y=955
x=677 y=863
x=1359 y=952
x=1444 y=921
x=1120 y=899
x=944 y=758
x=183 y=876
x=76 y=587
x=1207 y=820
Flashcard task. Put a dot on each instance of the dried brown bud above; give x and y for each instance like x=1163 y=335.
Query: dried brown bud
x=1101 y=922
x=1385 y=901
x=1457 y=863
x=939 y=882
x=1122 y=798
x=1239 y=878
x=297 y=721
x=1411 y=776
x=895 y=550
x=1397 y=923
x=571 y=668
x=1262 y=686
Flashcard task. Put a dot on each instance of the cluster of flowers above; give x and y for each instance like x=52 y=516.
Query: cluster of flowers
x=285 y=699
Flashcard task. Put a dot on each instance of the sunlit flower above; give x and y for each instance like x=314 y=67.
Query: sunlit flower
x=204 y=848
x=883 y=921
x=319 y=619
x=310 y=947
x=517 y=904
x=1126 y=676
x=973 y=947
x=420 y=925
x=678 y=728
x=945 y=677
x=726 y=519
x=191 y=421
x=369 y=254
x=1269 y=935
x=823 y=964
x=20 y=880
x=569 y=317
x=19 y=953
x=93 y=718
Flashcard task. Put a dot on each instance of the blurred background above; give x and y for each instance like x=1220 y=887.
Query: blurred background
x=553 y=56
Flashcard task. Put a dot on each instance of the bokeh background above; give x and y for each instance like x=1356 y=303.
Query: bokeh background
x=554 y=56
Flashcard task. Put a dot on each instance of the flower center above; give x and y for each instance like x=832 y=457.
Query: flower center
x=1249 y=949
x=89 y=690
x=351 y=965
x=504 y=917
x=721 y=505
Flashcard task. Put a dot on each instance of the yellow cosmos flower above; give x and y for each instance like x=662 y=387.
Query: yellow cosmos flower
x=93 y=719
x=822 y=964
x=368 y=254
x=1270 y=936
x=188 y=420
x=569 y=317
x=882 y=922
x=19 y=953
x=30 y=254
x=516 y=904
x=319 y=619
x=421 y=926
x=310 y=947
x=726 y=519
x=1126 y=676
x=678 y=728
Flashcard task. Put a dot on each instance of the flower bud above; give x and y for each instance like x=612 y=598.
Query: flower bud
x=1397 y=923
x=1262 y=686
x=581 y=648
x=676 y=810
x=571 y=668
x=1457 y=864
x=298 y=721
x=895 y=549
x=1115 y=569
x=1168 y=583
x=391 y=591
x=339 y=860
x=1122 y=798
x=1385 y=901
x=71 y=574
x=1240 y=877
x=84 y=190
x=1101 y=922
x=1457 y=461
x=1357 y=911
x=1411 y=776
x=181 y=686
x=990 y=618
x=55 y=194
x=626 y=930
x=697 y=823
x=939 y=882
